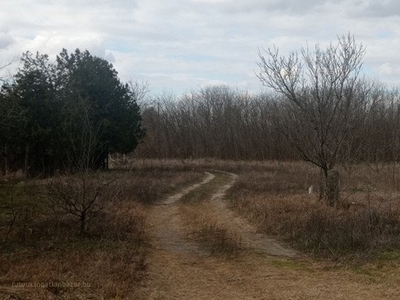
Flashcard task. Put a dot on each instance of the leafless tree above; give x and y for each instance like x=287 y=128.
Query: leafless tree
x=317 y=89
x=139 y=89
x=83 y=135
x=83 y=196
x=217 y=122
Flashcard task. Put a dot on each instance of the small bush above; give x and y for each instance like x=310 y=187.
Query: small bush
x=83 y=196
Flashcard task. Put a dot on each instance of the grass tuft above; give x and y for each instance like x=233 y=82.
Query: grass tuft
x=203 y=225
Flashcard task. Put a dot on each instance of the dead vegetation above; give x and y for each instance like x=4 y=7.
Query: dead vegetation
x=203 y=226
x=274 y=196
x=43 y=251
x=366 y=222
x=110 y=261
x=179 y=271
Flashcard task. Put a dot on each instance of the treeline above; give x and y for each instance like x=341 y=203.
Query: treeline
x=66 y=116
x=215 y=122
x=70 y=114
x=226 y=123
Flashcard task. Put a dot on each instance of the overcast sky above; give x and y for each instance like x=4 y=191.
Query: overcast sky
x=181 y=45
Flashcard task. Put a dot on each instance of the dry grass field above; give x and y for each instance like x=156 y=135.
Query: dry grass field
x=258 y=235
x=365 y=224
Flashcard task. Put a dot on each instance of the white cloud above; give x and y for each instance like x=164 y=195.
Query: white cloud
x=179 y=45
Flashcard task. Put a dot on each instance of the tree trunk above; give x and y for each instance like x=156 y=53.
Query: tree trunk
x=5 y=159
x=323 y=174
x=332 y=187
x=83 y=223
x=329 y=186
x=26 y=161
x=106 y=162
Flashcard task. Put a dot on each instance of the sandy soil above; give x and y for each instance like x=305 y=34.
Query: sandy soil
x=266 y=269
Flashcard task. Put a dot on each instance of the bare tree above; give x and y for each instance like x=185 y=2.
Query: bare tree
x=83 y=134
x=317 y=90
x=83 y=196
x=216 y=121
x=139 y=89
x=4 y=79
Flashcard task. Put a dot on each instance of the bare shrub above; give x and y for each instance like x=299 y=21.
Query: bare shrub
x=110 y=258
x=83 y=196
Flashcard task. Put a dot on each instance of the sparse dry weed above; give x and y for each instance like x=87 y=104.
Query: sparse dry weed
x=203 y=225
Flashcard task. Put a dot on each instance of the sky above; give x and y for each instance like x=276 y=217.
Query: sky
x=178 y=46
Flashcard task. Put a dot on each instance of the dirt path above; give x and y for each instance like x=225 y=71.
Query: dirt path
x=179 y=270
x=165 y=225
x=251 y=239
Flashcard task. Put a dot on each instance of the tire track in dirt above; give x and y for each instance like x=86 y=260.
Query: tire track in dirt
x=251 y=239
x=165 y=224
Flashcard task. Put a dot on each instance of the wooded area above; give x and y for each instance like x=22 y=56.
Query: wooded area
x=226 y=123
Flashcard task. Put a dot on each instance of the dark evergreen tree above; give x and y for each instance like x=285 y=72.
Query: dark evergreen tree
x=109 y=108
x=34 y=91
x=72 y=114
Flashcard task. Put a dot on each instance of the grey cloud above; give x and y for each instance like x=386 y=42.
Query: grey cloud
x=380 y=9
x=80 y=4
x=5 y=40
x=186 y=40
x=289 y=6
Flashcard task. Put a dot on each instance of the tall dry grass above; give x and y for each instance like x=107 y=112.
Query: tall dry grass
x=367 y=221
